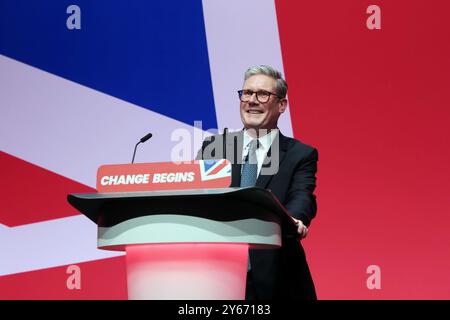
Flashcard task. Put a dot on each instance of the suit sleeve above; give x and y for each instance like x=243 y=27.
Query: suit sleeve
x=301 y=201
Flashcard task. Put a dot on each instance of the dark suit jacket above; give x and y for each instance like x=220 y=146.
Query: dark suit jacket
x=278 y=273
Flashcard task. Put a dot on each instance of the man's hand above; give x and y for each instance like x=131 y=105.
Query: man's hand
x=302 y=230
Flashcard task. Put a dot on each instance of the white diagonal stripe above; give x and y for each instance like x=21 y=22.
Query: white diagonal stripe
x=70 y=129
x=49 y=244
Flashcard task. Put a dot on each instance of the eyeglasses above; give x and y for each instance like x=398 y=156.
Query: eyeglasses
x=262 y=95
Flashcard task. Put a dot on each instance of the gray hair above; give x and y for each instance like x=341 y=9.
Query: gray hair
x=281 y=86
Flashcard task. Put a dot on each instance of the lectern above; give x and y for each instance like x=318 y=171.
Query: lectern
x=187 y=243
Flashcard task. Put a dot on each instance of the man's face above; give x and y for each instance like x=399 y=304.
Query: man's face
x=257 y=115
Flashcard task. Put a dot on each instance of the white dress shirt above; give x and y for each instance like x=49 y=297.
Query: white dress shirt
x=264 y=145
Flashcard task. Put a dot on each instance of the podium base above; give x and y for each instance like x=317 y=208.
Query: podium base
x=187 y=271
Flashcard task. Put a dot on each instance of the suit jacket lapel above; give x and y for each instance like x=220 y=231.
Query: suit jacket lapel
x=234 y=142
x=264 y=179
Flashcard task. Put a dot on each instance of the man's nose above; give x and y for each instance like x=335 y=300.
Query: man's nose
x=253 y=98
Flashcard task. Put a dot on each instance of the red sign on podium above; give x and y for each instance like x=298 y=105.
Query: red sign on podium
x=199 y=174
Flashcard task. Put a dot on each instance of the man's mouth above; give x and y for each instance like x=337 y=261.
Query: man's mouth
x=253 y=111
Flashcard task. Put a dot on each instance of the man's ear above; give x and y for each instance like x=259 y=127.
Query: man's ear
x=283 y=105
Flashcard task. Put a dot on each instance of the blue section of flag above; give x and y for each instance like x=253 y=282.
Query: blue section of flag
x=207 y=164
x=150 y=53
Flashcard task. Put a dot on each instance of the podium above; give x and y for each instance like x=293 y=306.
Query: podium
x=187 y=244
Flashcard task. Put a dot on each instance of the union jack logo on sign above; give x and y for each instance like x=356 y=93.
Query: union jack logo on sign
x=214 y=169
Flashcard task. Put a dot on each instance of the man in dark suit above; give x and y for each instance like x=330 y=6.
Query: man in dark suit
x=261 y=156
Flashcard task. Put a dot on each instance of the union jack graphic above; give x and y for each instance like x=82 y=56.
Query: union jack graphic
x=96 y=108
x=214 y=169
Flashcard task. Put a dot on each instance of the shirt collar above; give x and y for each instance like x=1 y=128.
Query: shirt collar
x=265 y=141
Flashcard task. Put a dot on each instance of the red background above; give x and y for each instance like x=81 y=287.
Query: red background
x=376 y=105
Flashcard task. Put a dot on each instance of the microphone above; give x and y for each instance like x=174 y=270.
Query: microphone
x=142 y=140
x=225 y=132
x=146 y=137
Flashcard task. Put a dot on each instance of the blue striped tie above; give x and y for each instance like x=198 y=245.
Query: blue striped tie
x=250 y=172
x=250 y=166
